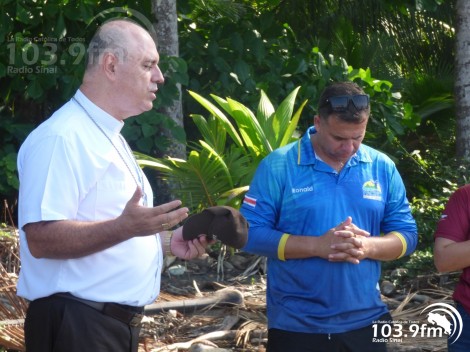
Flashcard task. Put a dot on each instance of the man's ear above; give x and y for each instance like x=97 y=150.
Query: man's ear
x=109 y=65
x=316 y=120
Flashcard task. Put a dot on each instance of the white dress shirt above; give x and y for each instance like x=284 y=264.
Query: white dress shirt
x=69 y=170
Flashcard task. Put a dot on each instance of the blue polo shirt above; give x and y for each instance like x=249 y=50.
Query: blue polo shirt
x=294 y=192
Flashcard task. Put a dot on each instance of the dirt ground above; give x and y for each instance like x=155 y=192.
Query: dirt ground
x=241 y=326
x=217 y=303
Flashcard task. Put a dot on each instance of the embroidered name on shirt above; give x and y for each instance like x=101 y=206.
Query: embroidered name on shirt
x=372 y=190
x=302 y=190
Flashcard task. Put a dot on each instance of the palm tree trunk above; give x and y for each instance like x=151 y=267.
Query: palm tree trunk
x=166 y=26
x=462 y=81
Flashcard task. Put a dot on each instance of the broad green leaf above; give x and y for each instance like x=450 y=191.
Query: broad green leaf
x=249 y=126
x=220 y=161
x=282 y=116
x=220 y=115
x=264 y=113
x=212 y=131
x=288 y=135
x=59 y=29
x=245 y=121
x=34 y=89
x=242 y=70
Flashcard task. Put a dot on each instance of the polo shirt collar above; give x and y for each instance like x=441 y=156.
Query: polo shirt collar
x=306 y=153
x=107 y=122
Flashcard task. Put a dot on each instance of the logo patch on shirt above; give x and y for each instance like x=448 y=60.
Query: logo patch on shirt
x=250 y=201
x=372 y=190
x=302 y=190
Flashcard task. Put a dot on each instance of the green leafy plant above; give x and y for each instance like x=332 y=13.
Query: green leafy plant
x=220 y=166
x=42 y=60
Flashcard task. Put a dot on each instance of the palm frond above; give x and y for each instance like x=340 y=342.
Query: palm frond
x=250 y=129
x=212 y=132
x=215 y=111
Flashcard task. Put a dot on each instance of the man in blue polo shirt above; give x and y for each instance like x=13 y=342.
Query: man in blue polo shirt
x=326 y=210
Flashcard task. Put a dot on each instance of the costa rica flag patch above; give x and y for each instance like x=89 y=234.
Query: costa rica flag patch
x=250 y=201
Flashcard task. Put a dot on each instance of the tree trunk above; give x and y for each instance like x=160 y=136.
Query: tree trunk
x=166 y=26
x=462 y=81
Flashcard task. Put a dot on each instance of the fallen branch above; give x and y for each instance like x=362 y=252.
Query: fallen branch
x=211 y=336
x=222 y=297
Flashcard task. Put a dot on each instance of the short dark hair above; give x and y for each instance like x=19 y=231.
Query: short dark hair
x=350 y=114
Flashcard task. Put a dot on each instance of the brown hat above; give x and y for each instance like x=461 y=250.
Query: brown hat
x=222 y=222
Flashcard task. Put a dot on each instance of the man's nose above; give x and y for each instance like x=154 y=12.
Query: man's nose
x=348 y=146
x=157 y=75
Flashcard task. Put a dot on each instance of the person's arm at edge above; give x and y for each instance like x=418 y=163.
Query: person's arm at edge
x=451 y=243
x=450 y=255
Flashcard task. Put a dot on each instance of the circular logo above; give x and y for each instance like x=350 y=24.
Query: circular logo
x=447 y=317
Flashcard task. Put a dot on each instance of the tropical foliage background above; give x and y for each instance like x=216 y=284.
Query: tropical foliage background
x=251 y=73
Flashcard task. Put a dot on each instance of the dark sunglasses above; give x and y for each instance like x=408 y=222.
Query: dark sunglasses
x=341 y=102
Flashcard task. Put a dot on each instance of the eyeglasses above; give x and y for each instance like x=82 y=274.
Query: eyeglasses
x=341 y=102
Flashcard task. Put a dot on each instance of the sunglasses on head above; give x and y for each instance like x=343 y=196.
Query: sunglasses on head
x=341 y=102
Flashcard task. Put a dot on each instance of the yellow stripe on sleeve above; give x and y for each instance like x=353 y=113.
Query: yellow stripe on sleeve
x=403 y=242
x=282 y=247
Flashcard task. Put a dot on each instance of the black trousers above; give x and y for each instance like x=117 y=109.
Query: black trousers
x=360 y=340
x=57 y=324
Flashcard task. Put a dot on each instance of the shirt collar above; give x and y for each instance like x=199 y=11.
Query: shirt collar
x=306 y=154
x=107 y=122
